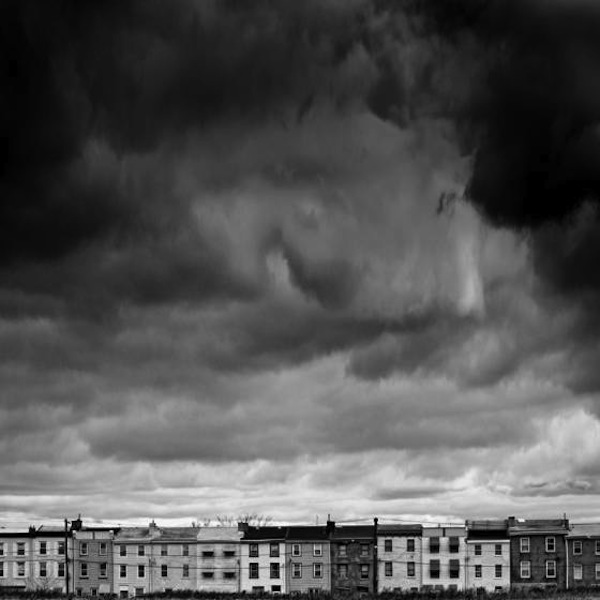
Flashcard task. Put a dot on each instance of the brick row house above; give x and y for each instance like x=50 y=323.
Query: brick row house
x=492 y=555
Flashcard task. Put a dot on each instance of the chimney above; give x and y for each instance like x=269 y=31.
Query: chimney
x=329 y=528
x=512 y=521
x=77 y=524
x=32 y=530
x=153 y=529
x=243 y=527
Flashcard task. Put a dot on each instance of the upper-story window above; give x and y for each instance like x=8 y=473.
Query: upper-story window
x=274 y=549
x=208 y=553
x=253 y=550
x=477 y=550
x=434 y=545
x=20 y=548
x=1 y=548
x=141 y=550
x=343 y=549
x=577 y=546
x=410 y=545
x=454 y=544
x=498 y=549
x=364 y=549
x=387 y=545
x=61 y=547
x=296 y=550
x=524 y=544
x=186 y=550
x=551 y=544
x=551 y=569
x=597 y=546
x=317 y=549
x=102 y=548
x=83 y=548
x=122 y=550
x=43 y=548
x=164 y=550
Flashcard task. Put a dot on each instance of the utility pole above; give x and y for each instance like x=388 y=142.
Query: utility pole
x=375 y=559
x=66 y=558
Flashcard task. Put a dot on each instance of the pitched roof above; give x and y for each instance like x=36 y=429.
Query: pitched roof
x=539 y=526
x=269 y=532
x=584 y=531
x=487 y=530
x=395 y=529
x=219 y=534
x=177 y=533
x=306 y=532
x=353 y=532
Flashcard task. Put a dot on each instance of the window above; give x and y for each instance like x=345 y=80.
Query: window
x=498 y=549
x=454 y=544
x=208 y=575
x=139 y=591
x=498 y=571
x=410 y=545
x=550 y=569
x=229 y=575
x=524 y=541
x=185 y=550
x=93 y=592
x=103 y=570
x=577 y=546
x=274 y=571
x=43 y=548
x=550 y=544
x=141 y=551
x=389 y=569
x=79 y=592
x=258 y=589
x=597 y=546
x=434 y=569
x=597 y=570
x=275 y=588
x=164 y=570
x=317 y=570
x=1 y=548
x=83 y=570
x=124 y=594
x=525 y=569
x=343 y=549
x=577 y=572
x=141 y=571
x=364 y=549
x=410 y=569
x=1 y=569
x=478 y=571
x=477 y=549
x=61 y=547
x=364 y=571
x=296 y=570
x=317 y=549
x=253 y=550
x=20 y=569
x=454 y=568
x=274 y=549
x=122 y=571
x=296 y=550
x=83 y=548
x=185 y=571
x=122 y=550
x=208 y=553
x=253 y=573
x=20 y=548
x=61 y=569
x=434 y=545
x=164 y=550
x=342 y=571
x=229 y=553
x=44 y=569
x=102 y=549
x=387 y=545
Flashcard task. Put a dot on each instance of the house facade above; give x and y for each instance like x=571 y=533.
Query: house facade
x=218 y=559
x=538 y=552
x=308 y=556
x=583 y=556
x=263 y=559
x=444 y=554
x=353 y=560
x=399 y=553
x=16 y=566
x=487 y=556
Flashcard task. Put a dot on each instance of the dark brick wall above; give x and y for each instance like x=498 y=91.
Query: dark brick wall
x=354 y=559
x=538 y=556
x=588 y=559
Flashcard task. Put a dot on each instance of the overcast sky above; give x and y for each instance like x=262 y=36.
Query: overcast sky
x=299 y=258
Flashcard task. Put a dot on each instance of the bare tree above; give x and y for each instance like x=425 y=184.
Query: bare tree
x=254 y=519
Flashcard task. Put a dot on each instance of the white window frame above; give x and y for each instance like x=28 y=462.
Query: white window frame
x=84 y=571
x=477 y=549
x=551 y=544
x=20 y=548
x=388 y=545
x=253 y=570
x=577 y=571
x=83 y=548
x=61 y=569
x=185 y=550
x=525 y=569
x=318 y=570
x=164 y=571
x=122 y=571
x=550 y=569
x=102 y=548
x=43 y=569
x=496 y=569
x=577 y=547
x=498 y=550
x=296 y=570
x=141 y=569
x=478 y=571
x=21 y=570
x=141 y=550
x=317 y=549
x=43 y=548
x=597 y=546
x=597 y=570
x=296 y=549
x=388 y=568
x=411 y=565
x=103 y=571
x=524 y=545
x=410 y=541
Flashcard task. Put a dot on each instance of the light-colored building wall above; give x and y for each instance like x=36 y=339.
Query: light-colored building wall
x=446 y=556
x=218 y=559
x=308 y=565
x=16 y=564
x=399 y=560
x=264 y=560
x=485 y=567
x=47 y=569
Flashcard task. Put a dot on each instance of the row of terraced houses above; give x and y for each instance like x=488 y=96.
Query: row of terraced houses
x=134 y=561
